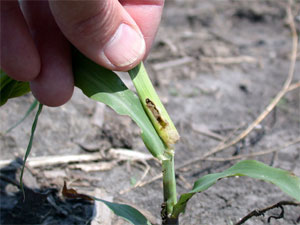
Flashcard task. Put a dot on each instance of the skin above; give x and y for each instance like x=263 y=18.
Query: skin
x=36 y=36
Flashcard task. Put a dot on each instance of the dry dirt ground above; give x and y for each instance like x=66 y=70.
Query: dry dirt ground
x=216 y=64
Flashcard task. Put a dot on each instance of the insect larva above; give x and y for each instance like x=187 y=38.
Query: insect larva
x=151 y=106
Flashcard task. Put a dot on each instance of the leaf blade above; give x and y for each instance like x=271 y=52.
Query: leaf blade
x=29 y=110
x=29 y=146
x=285 y=180
x=105 y=86
x=127 y=212
x=10 y=88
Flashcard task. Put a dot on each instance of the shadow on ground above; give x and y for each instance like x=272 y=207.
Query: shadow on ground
x=40 y=206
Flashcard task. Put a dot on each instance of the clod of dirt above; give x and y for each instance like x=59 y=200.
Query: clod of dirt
x=40 y=206
x=117 y=135
x=250 y=15
x=111 y=135
x=43 y=207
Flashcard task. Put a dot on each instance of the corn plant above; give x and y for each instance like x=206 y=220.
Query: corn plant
x=157 y=132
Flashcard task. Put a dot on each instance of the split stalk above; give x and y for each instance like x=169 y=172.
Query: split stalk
x=166 y=131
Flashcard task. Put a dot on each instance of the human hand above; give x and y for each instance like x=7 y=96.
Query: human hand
x=116 y=34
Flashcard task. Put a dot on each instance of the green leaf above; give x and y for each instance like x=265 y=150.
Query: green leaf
x=10 y=88
x=285 y=180
x=31 y=108
x=30 y=145
x=129 y=213
x=105 y=86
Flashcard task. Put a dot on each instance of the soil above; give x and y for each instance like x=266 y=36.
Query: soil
x=216 y=65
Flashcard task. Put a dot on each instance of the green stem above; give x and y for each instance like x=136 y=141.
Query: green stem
x=153 y=106
x=167 y=132
x=169 y=186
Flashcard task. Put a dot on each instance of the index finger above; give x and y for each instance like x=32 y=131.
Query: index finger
x=19 y=57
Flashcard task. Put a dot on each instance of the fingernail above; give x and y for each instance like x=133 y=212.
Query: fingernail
x=125 y=47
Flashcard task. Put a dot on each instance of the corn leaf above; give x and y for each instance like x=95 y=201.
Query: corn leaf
x=127 y=212
x=30 y=109
x=285 y=180
x=10 y=88
x=29 y=146
x=105 y=86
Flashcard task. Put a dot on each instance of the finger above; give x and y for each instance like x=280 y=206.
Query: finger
x=147 y=15
x=19 y=57
x=102 y=30
x=54 y=85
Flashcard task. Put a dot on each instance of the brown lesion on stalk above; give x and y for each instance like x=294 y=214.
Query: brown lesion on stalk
x=155 y=112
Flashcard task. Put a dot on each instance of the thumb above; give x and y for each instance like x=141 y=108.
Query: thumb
x=102 y=30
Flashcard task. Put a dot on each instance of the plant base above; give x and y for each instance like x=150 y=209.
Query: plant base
x=170 y=221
